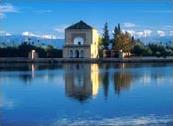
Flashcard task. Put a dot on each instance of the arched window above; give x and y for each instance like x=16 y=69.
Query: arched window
x=71 y=53
x=78 y=41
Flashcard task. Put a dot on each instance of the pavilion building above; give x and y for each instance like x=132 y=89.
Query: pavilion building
x=81 y=41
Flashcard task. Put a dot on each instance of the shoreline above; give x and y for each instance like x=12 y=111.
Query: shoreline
x=82 y=60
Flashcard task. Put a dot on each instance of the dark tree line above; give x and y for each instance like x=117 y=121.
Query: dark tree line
x=24 y=48
x=152 y=49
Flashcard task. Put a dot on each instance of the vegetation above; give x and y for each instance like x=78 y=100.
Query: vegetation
x=24 y=48
x=119 y=41
x=152 y=49
x=125 y=42
x=122 y=41
x=105 y=40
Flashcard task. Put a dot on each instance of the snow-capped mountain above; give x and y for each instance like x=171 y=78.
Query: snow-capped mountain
x=17 y=39
x=157 y=39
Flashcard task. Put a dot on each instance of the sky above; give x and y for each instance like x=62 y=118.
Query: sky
x=48 y=18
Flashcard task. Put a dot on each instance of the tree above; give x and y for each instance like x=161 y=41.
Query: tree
x=100 y=47
x=116 y=38
x=122 y=41
x=105 y=39
x=127 y=42
x=117 y=31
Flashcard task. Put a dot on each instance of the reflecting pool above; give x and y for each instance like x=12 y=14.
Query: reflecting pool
x=86 y=94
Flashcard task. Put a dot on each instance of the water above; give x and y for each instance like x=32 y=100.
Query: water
x=86 y=94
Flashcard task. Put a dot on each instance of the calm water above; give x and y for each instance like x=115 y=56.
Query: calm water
x=86 y=94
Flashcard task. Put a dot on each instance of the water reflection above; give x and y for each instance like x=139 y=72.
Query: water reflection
x=28 y=77
x=81 y=80
x=54 y=92
x=122 y=80
x=105 y=78
x=119 y=77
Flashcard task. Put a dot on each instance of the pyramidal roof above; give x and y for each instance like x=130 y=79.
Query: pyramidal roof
x=80 y=25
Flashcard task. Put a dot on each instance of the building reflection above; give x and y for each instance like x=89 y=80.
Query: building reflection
x=122 y=80
x=81 y=80
x=95 y=79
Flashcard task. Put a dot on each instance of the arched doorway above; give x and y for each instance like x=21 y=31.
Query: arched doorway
x=82 y=54
x=77 y=54
x=71 y=53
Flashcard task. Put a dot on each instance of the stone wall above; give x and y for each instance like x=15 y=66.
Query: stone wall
x=89 y=49
x=70 y=52
x=71 y=34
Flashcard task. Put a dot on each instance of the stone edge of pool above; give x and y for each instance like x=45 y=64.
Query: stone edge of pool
x=82 y=60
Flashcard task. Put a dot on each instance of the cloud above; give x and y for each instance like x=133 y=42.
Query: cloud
x=161 y=33
x=144 y=33
x=2 y=32
x=7 y=8
x=147 y=32
x=8 y=34
x=60 y=29
x=139 y=34
x=5 y=33
x=49 y=36
x=129 y=25
x=43 y=36
x=130 y=31
x=167 y=27
x=171 y=33
x=29 y=34
x=42 y=11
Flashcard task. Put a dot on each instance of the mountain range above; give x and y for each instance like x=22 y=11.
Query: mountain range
x=157 y=39
x=17 y=39
x=58 y=43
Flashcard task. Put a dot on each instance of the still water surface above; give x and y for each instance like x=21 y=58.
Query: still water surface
x=86 y=94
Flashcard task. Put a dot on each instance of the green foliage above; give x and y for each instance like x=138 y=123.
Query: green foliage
x=122 y=41
x=117 y=31
x=53 y=52
x=152 y=49
x=105 y=38
x=127 y=43
x=138 y=50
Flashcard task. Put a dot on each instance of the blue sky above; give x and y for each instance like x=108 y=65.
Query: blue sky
x=141 y=18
